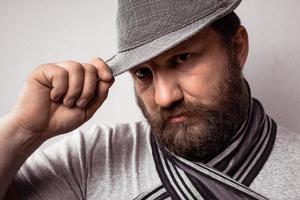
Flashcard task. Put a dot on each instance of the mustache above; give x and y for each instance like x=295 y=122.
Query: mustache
x=184 y=108
x=162 y=114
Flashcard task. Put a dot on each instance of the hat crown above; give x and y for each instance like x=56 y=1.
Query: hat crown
x=142 y=21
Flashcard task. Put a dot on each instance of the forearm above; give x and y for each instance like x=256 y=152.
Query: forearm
x=16 y=145
x=49 y=104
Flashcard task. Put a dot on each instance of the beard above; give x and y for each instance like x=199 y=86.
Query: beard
x=209 y=128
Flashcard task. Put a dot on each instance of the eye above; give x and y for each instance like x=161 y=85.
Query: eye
x=143 y=73
x=182 y=58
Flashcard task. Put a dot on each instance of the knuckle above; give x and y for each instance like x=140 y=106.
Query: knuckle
x=73 y=66
x=61 y=73
x=52 y=70
x=44 y=65
x=97 y=59
x=98 y=62
x=71 y=62
x=90 y=68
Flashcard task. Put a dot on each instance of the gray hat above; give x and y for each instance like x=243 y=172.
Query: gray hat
x=147 y=28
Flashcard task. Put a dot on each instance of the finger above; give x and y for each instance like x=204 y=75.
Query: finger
x=89 y=85
x=104 y=72
x=75 y=82
x=101 y=94
x=54 y=77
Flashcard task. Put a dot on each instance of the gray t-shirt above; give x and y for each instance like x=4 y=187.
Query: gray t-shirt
x=116 y=163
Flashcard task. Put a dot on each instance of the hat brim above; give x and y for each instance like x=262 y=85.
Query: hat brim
x=124 y=61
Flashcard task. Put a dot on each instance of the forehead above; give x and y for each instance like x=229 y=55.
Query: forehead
x=204 y=37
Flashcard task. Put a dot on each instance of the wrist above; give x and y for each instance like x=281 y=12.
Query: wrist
x=15 y=137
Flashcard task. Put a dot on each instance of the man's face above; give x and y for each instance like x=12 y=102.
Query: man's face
x=193 y=96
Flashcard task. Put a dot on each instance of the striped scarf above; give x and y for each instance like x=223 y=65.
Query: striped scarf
x=226 y=176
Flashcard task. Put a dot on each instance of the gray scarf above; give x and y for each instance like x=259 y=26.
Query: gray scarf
x=226 y=176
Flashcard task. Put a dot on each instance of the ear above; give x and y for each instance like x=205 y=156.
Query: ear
x=240 y=46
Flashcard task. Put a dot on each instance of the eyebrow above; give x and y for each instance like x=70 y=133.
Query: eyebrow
x=184 y=47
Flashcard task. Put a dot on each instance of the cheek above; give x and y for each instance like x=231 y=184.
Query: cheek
x=203 y=82
x=147 y=97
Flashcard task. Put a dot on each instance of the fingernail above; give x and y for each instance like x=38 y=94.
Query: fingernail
x=81 y=103
x=70 y=102
x=57 y=98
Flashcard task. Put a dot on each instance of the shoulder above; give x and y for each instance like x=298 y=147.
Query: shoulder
x=287 y=140
x=99 y=137
x=286 y=151
x=100 y=162
x=105 y=140
x=279 y=178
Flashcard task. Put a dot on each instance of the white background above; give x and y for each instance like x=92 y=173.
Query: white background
x=33 y=32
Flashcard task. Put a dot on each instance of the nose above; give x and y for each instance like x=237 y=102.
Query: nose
x=167 y=90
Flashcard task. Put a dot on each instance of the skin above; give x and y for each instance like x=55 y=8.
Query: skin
x=173 y=81
x=191 y=94
x=49 y=104
x=50 y=101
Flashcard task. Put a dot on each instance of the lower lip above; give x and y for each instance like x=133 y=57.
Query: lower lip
x=177 y=119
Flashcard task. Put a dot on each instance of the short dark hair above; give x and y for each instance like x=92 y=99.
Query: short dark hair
x=227 y=27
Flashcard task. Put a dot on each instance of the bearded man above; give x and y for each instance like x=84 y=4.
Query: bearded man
x=204 y=136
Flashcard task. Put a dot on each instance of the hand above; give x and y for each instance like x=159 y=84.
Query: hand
x=58 y=98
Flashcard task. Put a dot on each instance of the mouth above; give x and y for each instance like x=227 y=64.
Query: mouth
x=177 y=119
